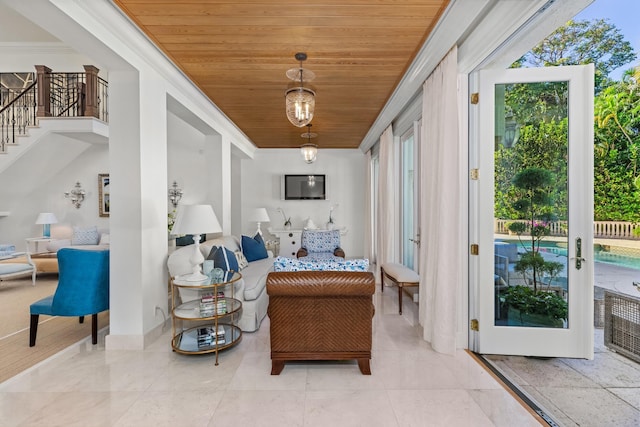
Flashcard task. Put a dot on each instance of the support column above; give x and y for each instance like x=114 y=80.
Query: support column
x=225 y=157
x=138 y=221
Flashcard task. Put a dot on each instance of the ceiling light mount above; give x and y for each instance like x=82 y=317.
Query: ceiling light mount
x=300 y=102
x=309 y=150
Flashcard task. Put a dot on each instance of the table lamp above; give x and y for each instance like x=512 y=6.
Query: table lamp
x=259 y=215
x=195 y=220
x=46 y=219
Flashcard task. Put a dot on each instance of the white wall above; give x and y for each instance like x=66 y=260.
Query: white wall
x=187 y=161
x=37 y=183
x=345 y=173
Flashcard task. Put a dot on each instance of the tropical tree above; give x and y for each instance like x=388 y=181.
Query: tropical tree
x=617 y=150
x=597 y=42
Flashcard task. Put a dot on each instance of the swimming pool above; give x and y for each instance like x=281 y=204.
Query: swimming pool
x=608 y=255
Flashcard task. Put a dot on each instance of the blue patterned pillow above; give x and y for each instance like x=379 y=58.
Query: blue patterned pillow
x=85 y=236
x=223 y=258
x=253 y=248
x=320 y=240
x=290 y=264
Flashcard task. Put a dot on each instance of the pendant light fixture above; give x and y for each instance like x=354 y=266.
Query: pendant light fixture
x=309 y=150
x=300 y=102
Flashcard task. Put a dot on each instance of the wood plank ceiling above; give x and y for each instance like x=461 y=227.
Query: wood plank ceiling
x=238 y=51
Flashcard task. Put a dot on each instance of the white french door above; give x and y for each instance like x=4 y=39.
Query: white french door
x=410 y=223
x=534 y=124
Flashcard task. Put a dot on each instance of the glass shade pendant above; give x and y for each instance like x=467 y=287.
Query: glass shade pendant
x=300 y=102
x=309 y=150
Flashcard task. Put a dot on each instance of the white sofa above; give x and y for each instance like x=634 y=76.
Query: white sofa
x=251 y=290
x=99 y=241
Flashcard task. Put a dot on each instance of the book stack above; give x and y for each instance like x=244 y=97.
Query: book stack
x=210 y=335
x=211 y=305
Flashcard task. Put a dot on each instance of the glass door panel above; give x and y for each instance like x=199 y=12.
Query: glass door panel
x=408 y=183
x=530 y=198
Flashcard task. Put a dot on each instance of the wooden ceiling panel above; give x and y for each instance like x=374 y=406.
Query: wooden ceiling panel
x=237 y=52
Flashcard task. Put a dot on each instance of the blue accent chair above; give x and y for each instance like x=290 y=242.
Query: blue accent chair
x=83 y=289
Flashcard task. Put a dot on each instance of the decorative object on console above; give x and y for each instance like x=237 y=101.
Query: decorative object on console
x=46 y=219
x=254 y=248
x=259 y=215
x=300 y=102
x=330 y=223
x=76 y=195
x=196 y=219
x=309 y=150
x=175 y=194
x=287 y=221
x=104 y=198
x=309 y=224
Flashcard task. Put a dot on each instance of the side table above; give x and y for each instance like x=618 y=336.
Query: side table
x=37 y=242
x=219 y=311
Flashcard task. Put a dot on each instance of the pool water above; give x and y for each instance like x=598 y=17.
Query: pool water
x=601 y=255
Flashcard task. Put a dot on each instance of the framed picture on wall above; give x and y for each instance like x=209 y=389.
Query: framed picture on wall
x=103 y=192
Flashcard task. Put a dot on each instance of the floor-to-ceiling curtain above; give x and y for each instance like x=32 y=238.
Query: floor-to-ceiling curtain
x=440 y=262
x=369 y=253
x=386 y=230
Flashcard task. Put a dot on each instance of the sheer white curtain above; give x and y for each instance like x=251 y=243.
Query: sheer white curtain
x=440 y=261
x=369 y=253
x=386 y=230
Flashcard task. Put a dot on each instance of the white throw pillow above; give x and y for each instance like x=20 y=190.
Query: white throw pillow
x=104 y=239
x=242 y=260
x=85 y=236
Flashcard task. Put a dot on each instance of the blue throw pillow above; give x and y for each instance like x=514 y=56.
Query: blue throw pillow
x=223 y=258
x=253 y=248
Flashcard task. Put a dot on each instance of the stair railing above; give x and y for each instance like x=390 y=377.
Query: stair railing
x=16 y=116
x=54 y=95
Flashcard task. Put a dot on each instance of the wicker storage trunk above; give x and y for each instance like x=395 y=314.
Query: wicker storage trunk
x=622 y=324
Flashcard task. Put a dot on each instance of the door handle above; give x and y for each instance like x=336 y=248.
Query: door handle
x=578 y=257
x=416 y=241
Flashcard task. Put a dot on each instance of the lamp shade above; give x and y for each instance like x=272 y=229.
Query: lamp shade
x=260 y=215
x=46 y=218
x=195 y=219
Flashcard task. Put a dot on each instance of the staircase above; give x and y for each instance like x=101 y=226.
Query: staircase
x=71 y=104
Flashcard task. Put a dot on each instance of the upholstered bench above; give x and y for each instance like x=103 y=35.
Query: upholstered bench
x=401 y=276
x=14 y=270
x=43 y=264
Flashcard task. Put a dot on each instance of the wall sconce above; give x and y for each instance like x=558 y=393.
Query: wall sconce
x=76 y=195
x=175 y=194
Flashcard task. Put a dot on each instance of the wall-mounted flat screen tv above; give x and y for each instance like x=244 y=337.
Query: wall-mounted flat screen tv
x=305 y=187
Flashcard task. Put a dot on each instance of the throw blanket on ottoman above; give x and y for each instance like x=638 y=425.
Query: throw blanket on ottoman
x=320 y=315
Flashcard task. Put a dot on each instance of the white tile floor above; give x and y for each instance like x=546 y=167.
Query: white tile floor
x=410 y=385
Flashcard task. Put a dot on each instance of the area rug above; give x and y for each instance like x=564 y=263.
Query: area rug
x=54 y=333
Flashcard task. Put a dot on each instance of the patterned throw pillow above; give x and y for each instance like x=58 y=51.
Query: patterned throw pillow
x=242 y=260
x=320 y=240
x=85 y=236
x=290 y=264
